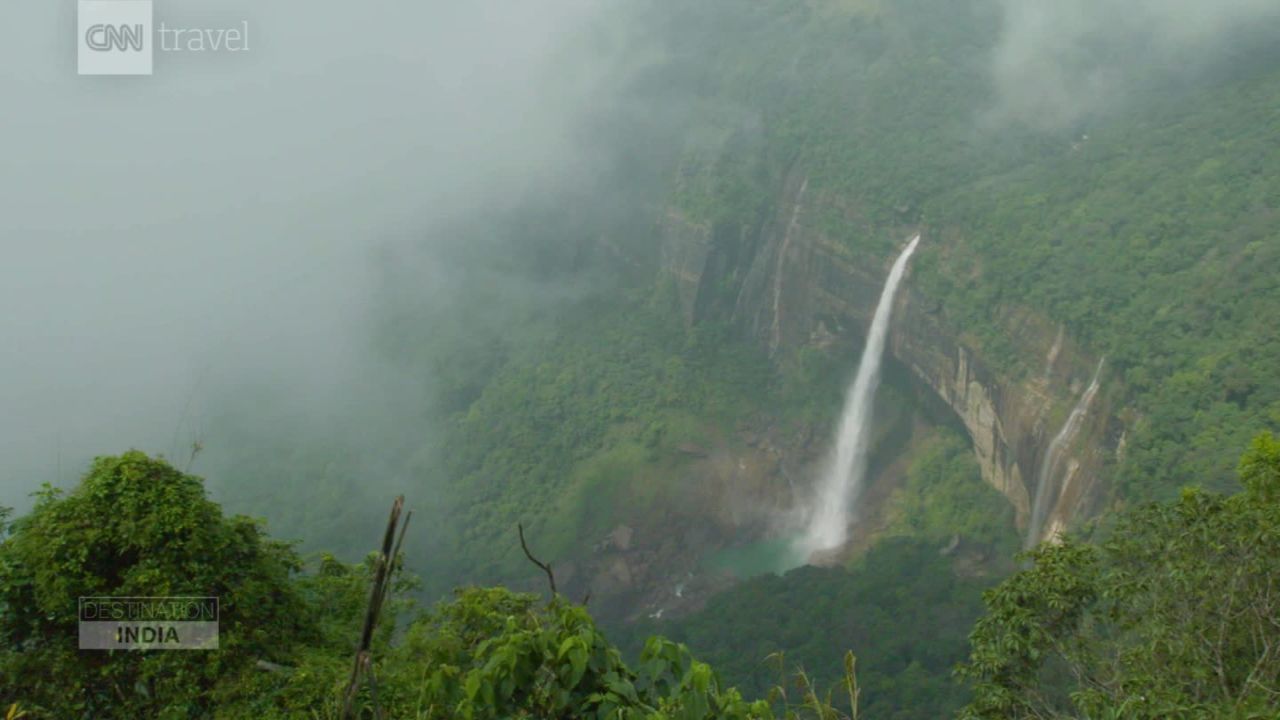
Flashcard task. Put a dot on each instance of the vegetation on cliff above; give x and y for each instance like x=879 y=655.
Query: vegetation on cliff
x=564 y=425
x=1173 y=616
x=905 y=606
x=137 y=527
x=1152 y=242
x=1147 y=230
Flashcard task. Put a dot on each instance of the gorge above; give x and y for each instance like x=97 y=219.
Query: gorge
x=829 y=294
x=731 y=359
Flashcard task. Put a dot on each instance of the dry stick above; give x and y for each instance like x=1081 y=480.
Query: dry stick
x=545 y=566
x=377 y=594
x=386 y=589
x=373 y=687
x=380 y=576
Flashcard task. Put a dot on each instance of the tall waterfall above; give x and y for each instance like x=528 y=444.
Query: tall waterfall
x=1048 y=468
x=841 y=482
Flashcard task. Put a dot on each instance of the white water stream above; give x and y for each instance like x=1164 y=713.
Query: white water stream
x=842 y=479
x=1053 y=456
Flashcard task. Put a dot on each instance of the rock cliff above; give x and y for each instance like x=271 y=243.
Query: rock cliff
x=788 y=283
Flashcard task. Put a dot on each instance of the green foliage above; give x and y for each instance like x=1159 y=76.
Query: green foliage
x=1153 y=243
x=1030 y=613
x=135 y=526
x=1153 y=240
x=1172 y=617
x=313 y=672
x=491 y=653
x=268 y=466
x=904 y=609
x=588 y=409
x=494 y=654
x=945 y=496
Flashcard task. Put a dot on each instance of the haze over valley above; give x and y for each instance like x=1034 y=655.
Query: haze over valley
x=766 y=335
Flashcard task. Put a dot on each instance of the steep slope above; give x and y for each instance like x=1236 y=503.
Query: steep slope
x=1145 y=235
x=829 y=292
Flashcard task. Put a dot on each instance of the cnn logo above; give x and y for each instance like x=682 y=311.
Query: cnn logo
x=115 y=37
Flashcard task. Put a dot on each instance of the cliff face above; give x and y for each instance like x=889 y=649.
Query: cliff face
x=788 y=285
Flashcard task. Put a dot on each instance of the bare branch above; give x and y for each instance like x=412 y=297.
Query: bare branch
x=386 y=589
x=377 y=595
x=546 y=567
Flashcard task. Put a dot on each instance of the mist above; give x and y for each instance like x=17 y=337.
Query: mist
x=1057 y=63
x=213 y=241
x=241 y=251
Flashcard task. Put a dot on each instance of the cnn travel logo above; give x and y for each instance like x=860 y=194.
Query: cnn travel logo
x=121 y=37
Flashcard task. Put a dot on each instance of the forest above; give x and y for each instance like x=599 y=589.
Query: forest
x=1173 y=615
x=638 y=361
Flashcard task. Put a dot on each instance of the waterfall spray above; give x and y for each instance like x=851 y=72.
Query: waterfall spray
x=841 y=482
x=1052 y=456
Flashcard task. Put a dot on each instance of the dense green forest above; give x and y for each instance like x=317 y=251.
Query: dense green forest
x=1147 y=230
x=906 y=605
x=1173 y=616
x=1156 y=245
x=568 y=417
x=1167 y=198
x=557 y=360
x=544 y=373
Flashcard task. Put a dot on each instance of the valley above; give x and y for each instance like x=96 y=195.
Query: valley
x=917 y=354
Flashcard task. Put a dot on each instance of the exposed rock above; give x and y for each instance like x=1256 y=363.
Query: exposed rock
x=620 y=572
x=822 y=338
x=828 y=293
x=621 y=538
x=691 y=449
x=686 y=260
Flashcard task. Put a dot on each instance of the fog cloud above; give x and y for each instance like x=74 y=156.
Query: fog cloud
x=1059 y=61
x=171 y=241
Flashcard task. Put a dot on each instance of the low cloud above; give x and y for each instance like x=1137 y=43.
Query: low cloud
x=1058 y=61
x=173 y=243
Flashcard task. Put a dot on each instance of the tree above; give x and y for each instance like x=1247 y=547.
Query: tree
x=1174 y=616
x=135 y=526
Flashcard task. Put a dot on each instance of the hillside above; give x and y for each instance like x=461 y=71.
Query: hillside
x=644 y=365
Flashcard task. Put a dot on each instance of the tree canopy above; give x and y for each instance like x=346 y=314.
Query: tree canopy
x=1173 y=616
x=136 y=526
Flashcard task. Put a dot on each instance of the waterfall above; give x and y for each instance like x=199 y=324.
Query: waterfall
x=841 y=481
x=776 y=329
x=1053 y=456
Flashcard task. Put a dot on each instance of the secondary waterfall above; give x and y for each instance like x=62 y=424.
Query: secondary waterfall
x=1052 y=456
x=775 y=334
x=842 y=479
